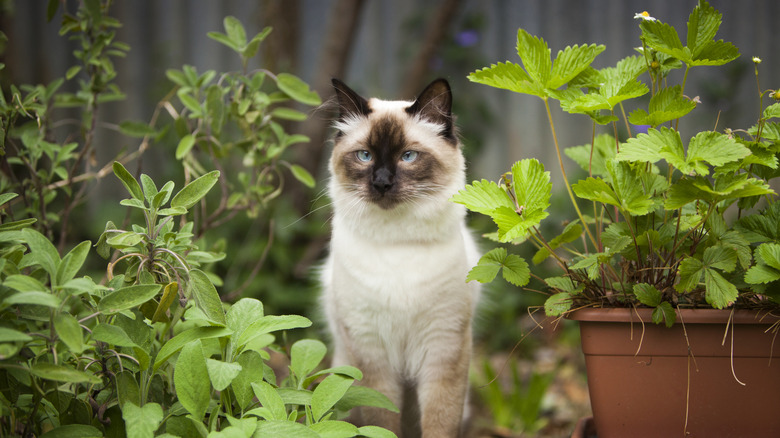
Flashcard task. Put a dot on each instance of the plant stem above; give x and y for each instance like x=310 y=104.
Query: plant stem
x=563 y=171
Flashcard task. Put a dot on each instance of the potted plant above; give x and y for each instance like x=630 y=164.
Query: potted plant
x=670 y=228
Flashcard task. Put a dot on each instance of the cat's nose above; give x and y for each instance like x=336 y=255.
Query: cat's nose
x=383 y=181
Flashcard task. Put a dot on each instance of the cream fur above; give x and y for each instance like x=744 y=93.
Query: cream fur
x=395 y=294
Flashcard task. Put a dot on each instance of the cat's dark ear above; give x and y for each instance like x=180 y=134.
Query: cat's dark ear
x=435 y=104
x=350 y=103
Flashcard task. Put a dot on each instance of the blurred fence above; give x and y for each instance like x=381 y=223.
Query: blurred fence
x=168 y=33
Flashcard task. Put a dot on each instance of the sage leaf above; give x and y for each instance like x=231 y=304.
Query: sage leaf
x=207 y=297
x=177 y=342
x=327 y=393
x=297 y=89
x=141 y=422
x=270 y=399
x=69 y=332
x=62 y=373
x=190 y=194
x=191 y=378
x=73 y=431
x=128 y=181
x=305 y=357
x=127 y=298
x=357 y=395
x=71 y=264
x=251 y=372
x=222 y=373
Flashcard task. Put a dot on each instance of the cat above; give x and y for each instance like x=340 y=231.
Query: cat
x=395 y=294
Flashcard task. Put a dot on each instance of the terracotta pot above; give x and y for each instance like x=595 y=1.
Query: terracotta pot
x=643 y=382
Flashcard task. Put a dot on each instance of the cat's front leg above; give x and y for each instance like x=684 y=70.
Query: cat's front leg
x=377 y=374
x=442 y=388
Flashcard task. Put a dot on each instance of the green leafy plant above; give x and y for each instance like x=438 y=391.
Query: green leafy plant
x=515 y=405
x=150 y=348
x=675 y=221
x=239 y=115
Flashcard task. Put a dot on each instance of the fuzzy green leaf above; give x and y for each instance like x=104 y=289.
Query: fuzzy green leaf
x=284 y=428
x=305 y=357
x=207 y=297
x=11 y=335
x=269 y=398
x=25 y=283
x=357 y=395
x=668 y=104
x=535 y=55
x=654 y=146
x=663 y=38
x=334 y=429
x=130 y=183
x=515 y=269
x=185 y=145
x=223 y=39
x=33 y=298
x=327 y=393
x=235 y=30
x=195 y=190
x=558 y=304
x=251 y=372
x=127 y=298
x=703 y=24
x=592 y=158
x=713 y=148
x=297 y=89
x=375 y=432
x=42 y=251
x=769 y=253
x=73 y=430
x=483 y=197
x=508 y=76
x=271 y=323
x=72 y=262
x=563 y=284
x=570 y=62
x=664 y=313
x=761 y=274
x=303 y=175
x=647 y=294
x=132 y=128
x=628 y=187
x=531 y=185
x=69 y=332
x=177 y=342
x=141 y=422
x=63 y=373
x=772 y=112
x=720 y=293
x=191 y=377
x=113 y=335
x=222 y=373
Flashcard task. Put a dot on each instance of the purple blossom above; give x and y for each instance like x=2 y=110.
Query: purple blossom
x=467 y=38
x=640 y=129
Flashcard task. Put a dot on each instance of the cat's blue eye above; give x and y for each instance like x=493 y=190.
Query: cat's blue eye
x=364 y=156
x=409 y=156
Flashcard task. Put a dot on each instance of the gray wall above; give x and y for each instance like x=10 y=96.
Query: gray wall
x=169 y=33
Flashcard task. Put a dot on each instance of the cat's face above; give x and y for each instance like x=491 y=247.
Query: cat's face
x=396 y=153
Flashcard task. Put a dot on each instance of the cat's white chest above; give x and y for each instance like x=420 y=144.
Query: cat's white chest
x=393 y=298
x=398 y=277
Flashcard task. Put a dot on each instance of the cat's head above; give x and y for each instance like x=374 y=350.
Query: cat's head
x=391 y=154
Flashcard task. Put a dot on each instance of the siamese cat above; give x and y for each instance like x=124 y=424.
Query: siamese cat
x=395 y=293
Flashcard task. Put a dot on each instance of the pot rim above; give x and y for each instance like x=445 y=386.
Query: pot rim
x=699 y=316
